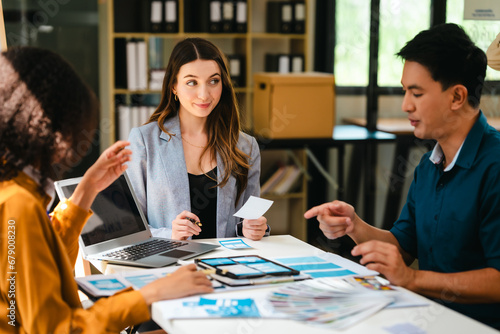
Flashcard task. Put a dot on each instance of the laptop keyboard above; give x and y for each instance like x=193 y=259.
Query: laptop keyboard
x=146 y=249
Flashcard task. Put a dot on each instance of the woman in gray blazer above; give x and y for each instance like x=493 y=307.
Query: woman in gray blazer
x=192 y=167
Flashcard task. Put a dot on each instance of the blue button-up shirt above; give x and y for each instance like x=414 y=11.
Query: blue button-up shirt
x=451 y=219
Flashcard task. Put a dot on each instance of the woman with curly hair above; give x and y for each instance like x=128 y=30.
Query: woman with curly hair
x=45 y=111
x=193 y=168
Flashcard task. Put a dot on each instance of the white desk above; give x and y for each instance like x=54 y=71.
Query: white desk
x=433 y=319
x=272 y=246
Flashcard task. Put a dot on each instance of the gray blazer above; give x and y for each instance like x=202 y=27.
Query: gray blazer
x=160 y=179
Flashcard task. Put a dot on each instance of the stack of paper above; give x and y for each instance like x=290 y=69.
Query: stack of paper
x=332 y=302
x=282 y=181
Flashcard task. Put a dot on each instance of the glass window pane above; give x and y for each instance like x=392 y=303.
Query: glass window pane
x=400 y=21
x=352 y=19
x=482 y=32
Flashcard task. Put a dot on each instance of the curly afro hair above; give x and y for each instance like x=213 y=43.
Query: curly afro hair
x=46 y=111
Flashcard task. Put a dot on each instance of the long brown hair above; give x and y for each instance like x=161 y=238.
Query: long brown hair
x=223 y=123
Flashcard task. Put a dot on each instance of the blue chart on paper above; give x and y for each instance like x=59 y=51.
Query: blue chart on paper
x=226 y=307
x=315 y=266
x=142 y=280
x=234 y=244
x=111 y=284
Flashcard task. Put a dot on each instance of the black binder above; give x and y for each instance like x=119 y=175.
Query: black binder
x=279 y=17
x=215 y=16
x=296 y=63
x=228 y=16
x=203 y=16
x=171 y=16
x=192 y=15
x=241 y=16
x=237 y=69
x=120 y=63
x=132 y=16
x=156 y=16
x=277 y=63
x=299 y=17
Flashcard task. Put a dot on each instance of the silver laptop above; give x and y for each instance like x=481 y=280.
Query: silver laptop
x=118 y=231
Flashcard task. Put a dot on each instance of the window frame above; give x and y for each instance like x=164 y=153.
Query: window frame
x=324 y=60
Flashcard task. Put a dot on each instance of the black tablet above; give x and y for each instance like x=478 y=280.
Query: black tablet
x=247 y=266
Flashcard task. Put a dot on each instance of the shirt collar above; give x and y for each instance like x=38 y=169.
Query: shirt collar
x=469 y=147
x=49 y=188
x=437 y=156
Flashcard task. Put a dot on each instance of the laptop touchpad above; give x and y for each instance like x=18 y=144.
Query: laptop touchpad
x=176 y=253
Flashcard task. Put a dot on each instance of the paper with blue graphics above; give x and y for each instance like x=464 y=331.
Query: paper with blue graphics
x=110 y=284
x=216 y=307
x=326 y=265
x=234 y=244
x=254 y=208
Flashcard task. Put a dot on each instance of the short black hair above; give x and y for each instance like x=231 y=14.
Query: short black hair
x=451 y=58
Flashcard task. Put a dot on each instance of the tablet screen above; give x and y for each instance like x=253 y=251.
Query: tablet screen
x=217 y=262
x=249 y=266
x=269 y=267
x=240 y=270
x=248 y=259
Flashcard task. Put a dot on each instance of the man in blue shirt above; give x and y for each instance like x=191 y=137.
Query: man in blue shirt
x=451 y=219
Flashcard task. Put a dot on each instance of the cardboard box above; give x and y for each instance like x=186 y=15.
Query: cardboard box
x=295 y=105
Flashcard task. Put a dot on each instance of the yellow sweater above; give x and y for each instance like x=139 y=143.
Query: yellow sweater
x=38 y=293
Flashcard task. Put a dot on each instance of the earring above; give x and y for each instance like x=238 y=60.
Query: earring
x=175 y=97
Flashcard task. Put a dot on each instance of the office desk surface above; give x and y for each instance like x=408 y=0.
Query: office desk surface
x=430 y=319
x=401 y=126
x=272 y=246
x=342 y=134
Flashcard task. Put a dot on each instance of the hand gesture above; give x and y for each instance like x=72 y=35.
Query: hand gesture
x=254 y=229
x=183 y=227
x=385 y=258
x=335 y=218
x=185 y=281
x=108 y=167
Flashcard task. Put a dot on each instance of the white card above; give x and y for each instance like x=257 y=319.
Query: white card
x=254 y=208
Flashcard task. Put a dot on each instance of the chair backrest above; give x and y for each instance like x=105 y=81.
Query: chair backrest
x=3 y=38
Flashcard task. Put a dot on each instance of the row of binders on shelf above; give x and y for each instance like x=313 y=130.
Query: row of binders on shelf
x=131 y=64
x=164 y=16
x=206 y=16
x=286 y=17
x=284 y=63
x=132 y=71
x=146 y=16
x=284 y=180
x=131 y=116
x=216 y=16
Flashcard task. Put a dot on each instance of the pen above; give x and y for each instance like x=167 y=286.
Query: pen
x=193 y=221
x=205 y=271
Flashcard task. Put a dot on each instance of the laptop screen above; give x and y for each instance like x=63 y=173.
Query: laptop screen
x=115 y=213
